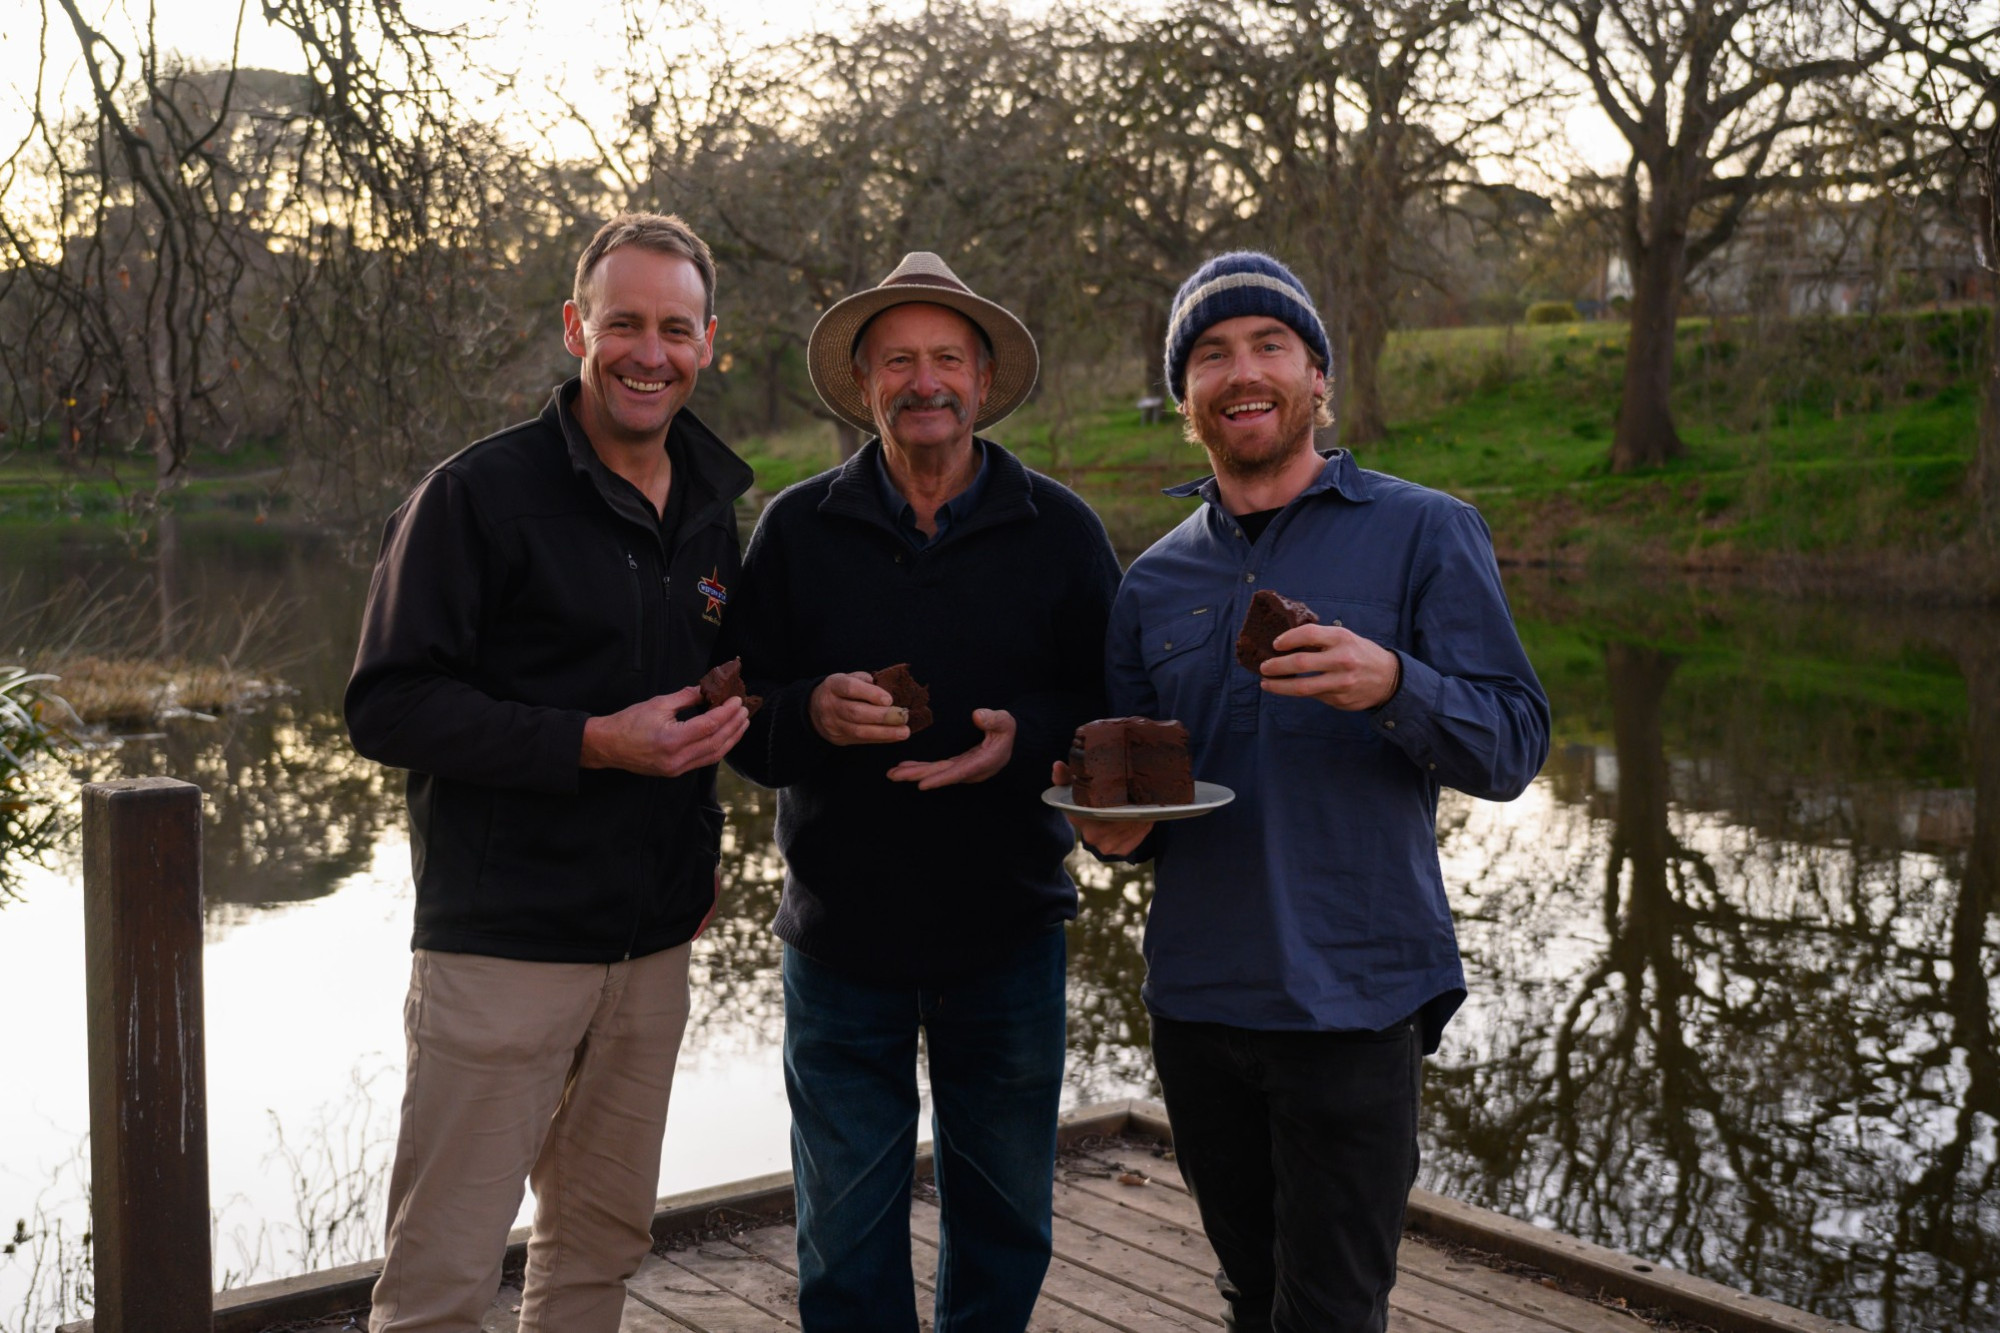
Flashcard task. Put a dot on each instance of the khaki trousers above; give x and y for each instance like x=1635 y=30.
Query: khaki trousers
x=557 y=1073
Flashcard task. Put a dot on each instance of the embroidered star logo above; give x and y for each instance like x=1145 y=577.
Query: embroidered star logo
x=717 y=595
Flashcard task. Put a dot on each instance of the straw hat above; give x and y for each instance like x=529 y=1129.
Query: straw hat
x=921 y=277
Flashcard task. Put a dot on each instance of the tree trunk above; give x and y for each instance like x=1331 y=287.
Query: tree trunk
x=1638 y=677
x=1646 y=436
x=1368 y=334
x=850 y=440
x=1985 y=476
x=774 y=387
x=1978 y=656
x=1333 y=314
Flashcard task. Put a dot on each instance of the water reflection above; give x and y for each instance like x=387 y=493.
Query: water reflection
x=1734 y=958
x=1768 y=1054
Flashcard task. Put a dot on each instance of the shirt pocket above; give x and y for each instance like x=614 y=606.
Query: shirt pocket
x=1178 y=651
x=1375 y=621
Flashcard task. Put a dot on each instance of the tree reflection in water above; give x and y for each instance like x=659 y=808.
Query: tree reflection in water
x=1735 y=1011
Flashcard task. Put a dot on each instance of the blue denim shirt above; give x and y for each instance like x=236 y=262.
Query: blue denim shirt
x=1315 y=901
x=951 y=511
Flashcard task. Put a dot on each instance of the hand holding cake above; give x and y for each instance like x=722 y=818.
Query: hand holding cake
x=848 y=708
x=1333 y=665
x=1104 y=836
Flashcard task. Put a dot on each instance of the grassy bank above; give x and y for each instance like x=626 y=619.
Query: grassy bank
x=1825 y=444
x=1817 y=449
x=37 y=485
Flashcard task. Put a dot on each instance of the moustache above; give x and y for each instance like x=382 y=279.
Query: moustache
x=942 y=398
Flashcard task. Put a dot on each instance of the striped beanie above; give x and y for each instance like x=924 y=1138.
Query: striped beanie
x=1242 y=282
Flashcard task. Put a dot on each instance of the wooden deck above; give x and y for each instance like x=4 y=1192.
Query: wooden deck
x=1129 y=1256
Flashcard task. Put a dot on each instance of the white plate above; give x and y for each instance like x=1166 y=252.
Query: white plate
x=1207 y=796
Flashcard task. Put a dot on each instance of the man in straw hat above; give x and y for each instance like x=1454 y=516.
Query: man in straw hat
x=1299 y=951
x=924 y=887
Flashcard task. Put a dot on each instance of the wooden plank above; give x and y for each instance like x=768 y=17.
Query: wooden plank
x=1509 y=1291
x=1186 y=1287
x=779 y=1245
x=1425 y=1289
x=1641 y=1282
x=638 y=1317
x=1086 y=1293
x=1175 y=1241
x=150 y=1260
x=504 y=1315
x=692 y=1302
x=750 y=1278
x=1049 y=1316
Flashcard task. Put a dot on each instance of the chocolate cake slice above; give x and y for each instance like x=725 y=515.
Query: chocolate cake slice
x=725 y=681
x=1162 y=769
x=1098 y=766
x=906 y=693
x=1270 y=615
x=1130 y=761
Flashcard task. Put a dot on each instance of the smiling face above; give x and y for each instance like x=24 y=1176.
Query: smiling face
x=1251 y=392
x=643 y=342
x=925 y=373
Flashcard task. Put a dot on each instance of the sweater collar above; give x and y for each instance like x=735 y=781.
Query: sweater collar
x=1006 y=495
x=713 y=474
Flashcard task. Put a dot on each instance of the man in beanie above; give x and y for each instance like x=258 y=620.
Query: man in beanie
x=925 y=893
x=1299 y=949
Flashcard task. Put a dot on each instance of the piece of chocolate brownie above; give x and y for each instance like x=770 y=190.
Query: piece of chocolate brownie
x=1130 y=761
x=1098 y=765
x=1270 y=615
x=725 y=681
x=906 y=693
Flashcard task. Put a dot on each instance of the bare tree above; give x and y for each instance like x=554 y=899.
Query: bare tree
x=1954 y=89
x=204 y=253
x=1363 y=110
x=1718 y=102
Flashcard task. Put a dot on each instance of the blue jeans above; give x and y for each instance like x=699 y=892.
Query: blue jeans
x=996 y=1060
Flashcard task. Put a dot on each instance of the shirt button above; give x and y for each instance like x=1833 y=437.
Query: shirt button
x=1168 y=644
x=1249 y=577
x=1432 y=767
x=1390 y=724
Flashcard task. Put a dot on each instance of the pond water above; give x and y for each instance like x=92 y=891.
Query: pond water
x=1734 y=958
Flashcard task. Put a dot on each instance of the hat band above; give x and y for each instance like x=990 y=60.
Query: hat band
x=1230 y=282
x=927 y=280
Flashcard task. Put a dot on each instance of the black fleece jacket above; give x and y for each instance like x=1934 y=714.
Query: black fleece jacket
x=1006 y=610
x=523 y=588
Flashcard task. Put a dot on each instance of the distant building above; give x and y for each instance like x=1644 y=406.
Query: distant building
x=1835 y=257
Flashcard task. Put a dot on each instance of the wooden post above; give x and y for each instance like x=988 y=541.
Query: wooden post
x=148 y=1082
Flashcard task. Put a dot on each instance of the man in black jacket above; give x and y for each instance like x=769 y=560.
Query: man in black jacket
x=924 y=889
x=544 y=604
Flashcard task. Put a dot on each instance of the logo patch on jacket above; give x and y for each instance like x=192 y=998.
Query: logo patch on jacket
x=718 y=595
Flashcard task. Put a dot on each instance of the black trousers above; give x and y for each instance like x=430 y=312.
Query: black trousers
x=1300 y=1148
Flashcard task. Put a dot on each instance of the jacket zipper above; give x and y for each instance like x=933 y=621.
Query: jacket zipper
x=638 y=613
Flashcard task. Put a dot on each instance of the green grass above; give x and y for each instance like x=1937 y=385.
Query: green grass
x=36 y=485
x=1833 y=438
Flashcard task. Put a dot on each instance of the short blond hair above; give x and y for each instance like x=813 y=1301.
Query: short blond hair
x=663 y=233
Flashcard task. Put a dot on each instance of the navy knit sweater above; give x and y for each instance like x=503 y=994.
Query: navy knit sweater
x=1007 y=609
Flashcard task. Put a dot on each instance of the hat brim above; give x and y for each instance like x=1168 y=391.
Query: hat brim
x=830 y=350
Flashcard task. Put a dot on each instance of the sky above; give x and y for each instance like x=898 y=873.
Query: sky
x=570 y=45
